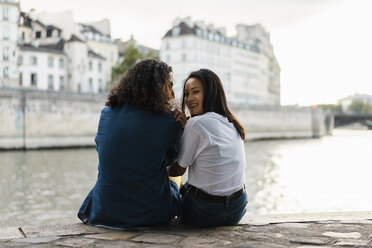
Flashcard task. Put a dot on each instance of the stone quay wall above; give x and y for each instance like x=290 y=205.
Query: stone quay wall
x=31 y=119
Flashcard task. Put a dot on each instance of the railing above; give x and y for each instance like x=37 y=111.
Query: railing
x=341 y=120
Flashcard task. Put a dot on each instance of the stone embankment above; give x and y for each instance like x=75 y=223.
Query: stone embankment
x=270 y=231
x=31 y=119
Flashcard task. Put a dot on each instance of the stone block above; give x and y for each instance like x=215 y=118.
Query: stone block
x=259 y=245
x=117 y=235
x=61 y=230
x=345 y=235
x=203 y=242
x=309 y=240
x=38 y=240
x=293 y=225
x=157 y=238
x=10 y=233
x=361 y=222
x=76 y=242
x=352 y=242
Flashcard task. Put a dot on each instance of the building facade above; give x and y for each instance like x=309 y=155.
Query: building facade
x=48 y=61
x=42 y=68
x=99 y=41
x=9 y=14
x=246 y=63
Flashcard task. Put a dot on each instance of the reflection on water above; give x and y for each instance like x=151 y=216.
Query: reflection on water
x=312 y=175
x=39 y=187
x=282 y=176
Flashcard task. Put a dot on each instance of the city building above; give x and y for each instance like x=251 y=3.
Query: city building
x=47 y=60
x=43 y=67
x=98 y=38
x=245 y=63
x=346 y=101
x=9 y=14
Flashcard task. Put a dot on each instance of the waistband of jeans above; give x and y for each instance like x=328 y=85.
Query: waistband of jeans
x=216 y=198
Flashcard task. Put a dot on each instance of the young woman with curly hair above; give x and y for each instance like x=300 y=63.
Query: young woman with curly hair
x=137 y=137
x=213 y=150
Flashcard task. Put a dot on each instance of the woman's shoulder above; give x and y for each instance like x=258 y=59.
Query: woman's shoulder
x=204 y=120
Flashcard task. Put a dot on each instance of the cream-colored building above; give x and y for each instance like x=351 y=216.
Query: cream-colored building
x=246 y=63
x=49 y=62
x=101 y=43
x=9 y=13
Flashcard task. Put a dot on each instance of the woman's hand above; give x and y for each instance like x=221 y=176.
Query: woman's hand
x=180 y=117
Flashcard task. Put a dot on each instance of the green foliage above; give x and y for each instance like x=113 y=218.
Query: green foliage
x=132 y=55
x=335 y=108
x=360 y=108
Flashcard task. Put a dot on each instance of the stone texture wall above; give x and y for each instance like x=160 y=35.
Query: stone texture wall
x=34 y=119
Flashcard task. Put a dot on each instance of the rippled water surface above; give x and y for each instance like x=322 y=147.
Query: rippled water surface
x=282 y=176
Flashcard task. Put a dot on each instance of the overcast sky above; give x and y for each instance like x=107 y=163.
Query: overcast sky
x=324 y=47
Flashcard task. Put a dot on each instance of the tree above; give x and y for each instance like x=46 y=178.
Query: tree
x=131 y=56
x=335 y=108
x=359 y=107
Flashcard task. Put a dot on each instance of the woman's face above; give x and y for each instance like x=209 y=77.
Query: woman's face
x=194 y=96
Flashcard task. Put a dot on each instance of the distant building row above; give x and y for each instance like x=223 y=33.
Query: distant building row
x=246 y=63
x=52 y=52
x=49 y=51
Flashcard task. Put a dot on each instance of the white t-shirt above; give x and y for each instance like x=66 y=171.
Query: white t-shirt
x=214 y=152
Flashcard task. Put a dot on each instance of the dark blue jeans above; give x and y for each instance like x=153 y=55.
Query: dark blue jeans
x=198 y=212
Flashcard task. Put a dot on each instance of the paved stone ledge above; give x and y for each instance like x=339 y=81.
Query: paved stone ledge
x=255 y=231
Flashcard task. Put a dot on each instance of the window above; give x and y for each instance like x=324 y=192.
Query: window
x=99 y=67
x=5 y=53
x=61 y=83
x=50 y=82
x=183 y=57
x=79 y=87
x=90 y=84
x=20 y=79
x=50 y=62
x=5 y=14
x=6 y=72
x=38 y=34
x=6 y=33
x=176 y=31
x=33 y=60
x=90 y=66
x=23 y=36
x=49 y=32
x=33 y=79
x=100 y=88
x=61 y=63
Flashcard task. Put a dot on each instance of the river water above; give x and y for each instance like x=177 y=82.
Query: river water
x=332 y=173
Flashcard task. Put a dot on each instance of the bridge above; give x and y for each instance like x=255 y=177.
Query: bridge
x=342 y=120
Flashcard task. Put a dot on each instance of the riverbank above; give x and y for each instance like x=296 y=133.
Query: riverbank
x=34 y=119
x=344 y=229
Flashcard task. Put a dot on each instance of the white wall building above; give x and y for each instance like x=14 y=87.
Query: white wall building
x=87 y=71
x=248 y=69
x=9 y=13
x=48 y=62
x=42 y=68
x=102 y=44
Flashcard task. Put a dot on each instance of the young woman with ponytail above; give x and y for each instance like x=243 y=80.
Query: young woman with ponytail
x=212 y=148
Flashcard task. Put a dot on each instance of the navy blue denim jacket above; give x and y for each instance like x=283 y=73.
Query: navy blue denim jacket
x=132 y=188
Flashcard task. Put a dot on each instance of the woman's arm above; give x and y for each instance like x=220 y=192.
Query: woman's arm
x=176 y=170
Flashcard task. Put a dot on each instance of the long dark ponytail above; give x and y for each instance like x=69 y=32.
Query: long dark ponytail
x=214 y=98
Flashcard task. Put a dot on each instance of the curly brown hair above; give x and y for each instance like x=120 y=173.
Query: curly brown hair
x=147 y=84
